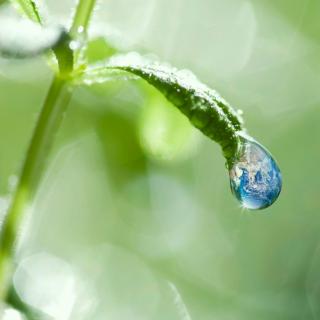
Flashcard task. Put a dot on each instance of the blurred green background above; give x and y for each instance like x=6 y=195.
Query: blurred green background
x=134 y=219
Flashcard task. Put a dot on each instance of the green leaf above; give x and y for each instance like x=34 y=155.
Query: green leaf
x=99 y=49
x=203 y=106
x=23 y=38
x=28 y=8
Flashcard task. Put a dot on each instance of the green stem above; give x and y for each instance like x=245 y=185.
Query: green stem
x=49 y=120
x=47 y=125
x=82 y=17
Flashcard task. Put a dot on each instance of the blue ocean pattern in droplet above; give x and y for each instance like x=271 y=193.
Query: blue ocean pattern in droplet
x=255 y=177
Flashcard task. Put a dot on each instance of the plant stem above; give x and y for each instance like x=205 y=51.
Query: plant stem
x=82 y=17
x=49 y=120
x=47 y=125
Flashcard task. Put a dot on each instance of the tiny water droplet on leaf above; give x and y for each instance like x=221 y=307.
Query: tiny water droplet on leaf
x=255 y=177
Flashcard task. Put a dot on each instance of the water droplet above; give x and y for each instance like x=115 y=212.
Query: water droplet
x=79 y=39
x=80 y=29
x=255 y=177
x=74 y=45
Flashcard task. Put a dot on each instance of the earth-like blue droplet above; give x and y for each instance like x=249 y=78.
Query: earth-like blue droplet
x=255 y=177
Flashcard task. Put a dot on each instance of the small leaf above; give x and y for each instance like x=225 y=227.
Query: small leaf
x=29 y=8
x=203 y=106
x=23 y=38
x=99 y=49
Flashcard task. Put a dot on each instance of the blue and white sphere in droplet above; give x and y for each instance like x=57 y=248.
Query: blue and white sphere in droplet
x=255 y=177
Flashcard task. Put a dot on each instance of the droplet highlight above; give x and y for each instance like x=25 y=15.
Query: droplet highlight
x=255 y=178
